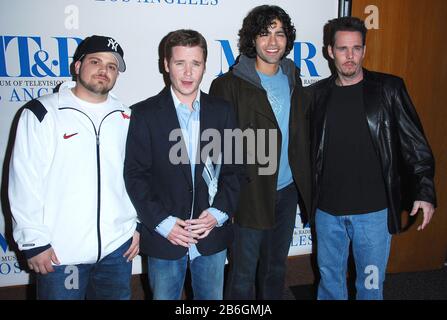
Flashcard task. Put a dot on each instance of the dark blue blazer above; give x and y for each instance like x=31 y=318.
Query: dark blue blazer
x=159 y=188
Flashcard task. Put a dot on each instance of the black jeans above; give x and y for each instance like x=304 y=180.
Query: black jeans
x=259 y=256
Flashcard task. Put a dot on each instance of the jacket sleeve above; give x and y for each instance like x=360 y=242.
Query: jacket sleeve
x=229 y=185
x=138 y=173
x=29 y=164
x=222 y=88
x=415 y=149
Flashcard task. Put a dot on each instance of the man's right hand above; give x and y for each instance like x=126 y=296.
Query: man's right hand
x=42 y=262
x=180 y=236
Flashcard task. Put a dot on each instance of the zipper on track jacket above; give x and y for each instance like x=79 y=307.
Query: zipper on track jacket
x=98 y=167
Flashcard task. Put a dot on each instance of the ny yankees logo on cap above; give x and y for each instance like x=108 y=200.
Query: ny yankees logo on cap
x=97 y=43
x=113 y=43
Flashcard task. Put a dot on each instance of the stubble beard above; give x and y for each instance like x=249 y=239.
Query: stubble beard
x=98 y=88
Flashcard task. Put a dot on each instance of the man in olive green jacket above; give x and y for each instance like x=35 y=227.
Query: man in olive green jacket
x=266 y=91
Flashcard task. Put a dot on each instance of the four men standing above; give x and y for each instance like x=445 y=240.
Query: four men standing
x=338 y=149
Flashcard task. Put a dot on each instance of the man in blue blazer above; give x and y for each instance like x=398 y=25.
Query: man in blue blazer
x=184 y=196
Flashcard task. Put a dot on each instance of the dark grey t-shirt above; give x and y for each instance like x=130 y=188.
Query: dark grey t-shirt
x=352 y=181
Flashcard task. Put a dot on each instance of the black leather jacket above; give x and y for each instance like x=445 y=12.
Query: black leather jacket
x=398 y=138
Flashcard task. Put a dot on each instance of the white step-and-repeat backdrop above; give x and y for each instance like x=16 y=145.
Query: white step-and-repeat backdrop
x=38 y=39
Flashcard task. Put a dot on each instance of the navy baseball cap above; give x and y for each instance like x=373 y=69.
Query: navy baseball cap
x=97 y=43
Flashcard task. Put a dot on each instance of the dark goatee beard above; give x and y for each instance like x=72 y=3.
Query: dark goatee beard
x=97 y=89
x=347 y=75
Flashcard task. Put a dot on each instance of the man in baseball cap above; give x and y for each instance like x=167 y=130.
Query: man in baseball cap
x=97 y=43
x=77 y=140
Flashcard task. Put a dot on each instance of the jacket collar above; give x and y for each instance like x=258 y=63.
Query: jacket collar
x=370 y=87
x=168 y=117
x=65 y=97
x=371 y=97
x=246 y=70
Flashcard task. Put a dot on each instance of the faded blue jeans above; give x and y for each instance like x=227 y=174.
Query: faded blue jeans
x=370 y=245
x=167 y=277
x=108 y=279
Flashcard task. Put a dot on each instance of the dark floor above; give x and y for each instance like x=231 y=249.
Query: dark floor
x=427 y=285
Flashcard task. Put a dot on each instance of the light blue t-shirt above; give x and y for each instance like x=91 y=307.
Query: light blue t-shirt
x=278 y=93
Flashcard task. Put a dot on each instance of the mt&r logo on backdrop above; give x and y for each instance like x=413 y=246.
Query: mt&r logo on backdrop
x=3 y=243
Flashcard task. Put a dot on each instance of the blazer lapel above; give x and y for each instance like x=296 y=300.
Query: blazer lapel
x=372 y=102
x=322 y=106
x=169 y=121
x=206 y=122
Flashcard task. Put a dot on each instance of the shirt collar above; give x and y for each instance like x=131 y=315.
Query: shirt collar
x=178 y=103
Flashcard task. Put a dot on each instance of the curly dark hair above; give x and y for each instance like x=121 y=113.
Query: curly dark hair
x=257 y=22
x=344 y=24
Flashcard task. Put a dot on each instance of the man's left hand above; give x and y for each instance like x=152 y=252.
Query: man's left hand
x=203 y=225
x=427 y=208
x=134 y=248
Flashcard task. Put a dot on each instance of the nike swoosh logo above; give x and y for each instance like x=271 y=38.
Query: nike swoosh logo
x=68 y=136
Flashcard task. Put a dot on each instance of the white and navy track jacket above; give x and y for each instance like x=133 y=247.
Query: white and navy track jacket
x=66 y=186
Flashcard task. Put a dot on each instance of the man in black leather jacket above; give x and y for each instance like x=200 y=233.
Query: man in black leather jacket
x=366 y=138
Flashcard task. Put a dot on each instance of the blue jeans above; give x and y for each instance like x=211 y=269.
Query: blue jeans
x=108 y=279
x=259 y=256
x=370 y=245
x=167 y=277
